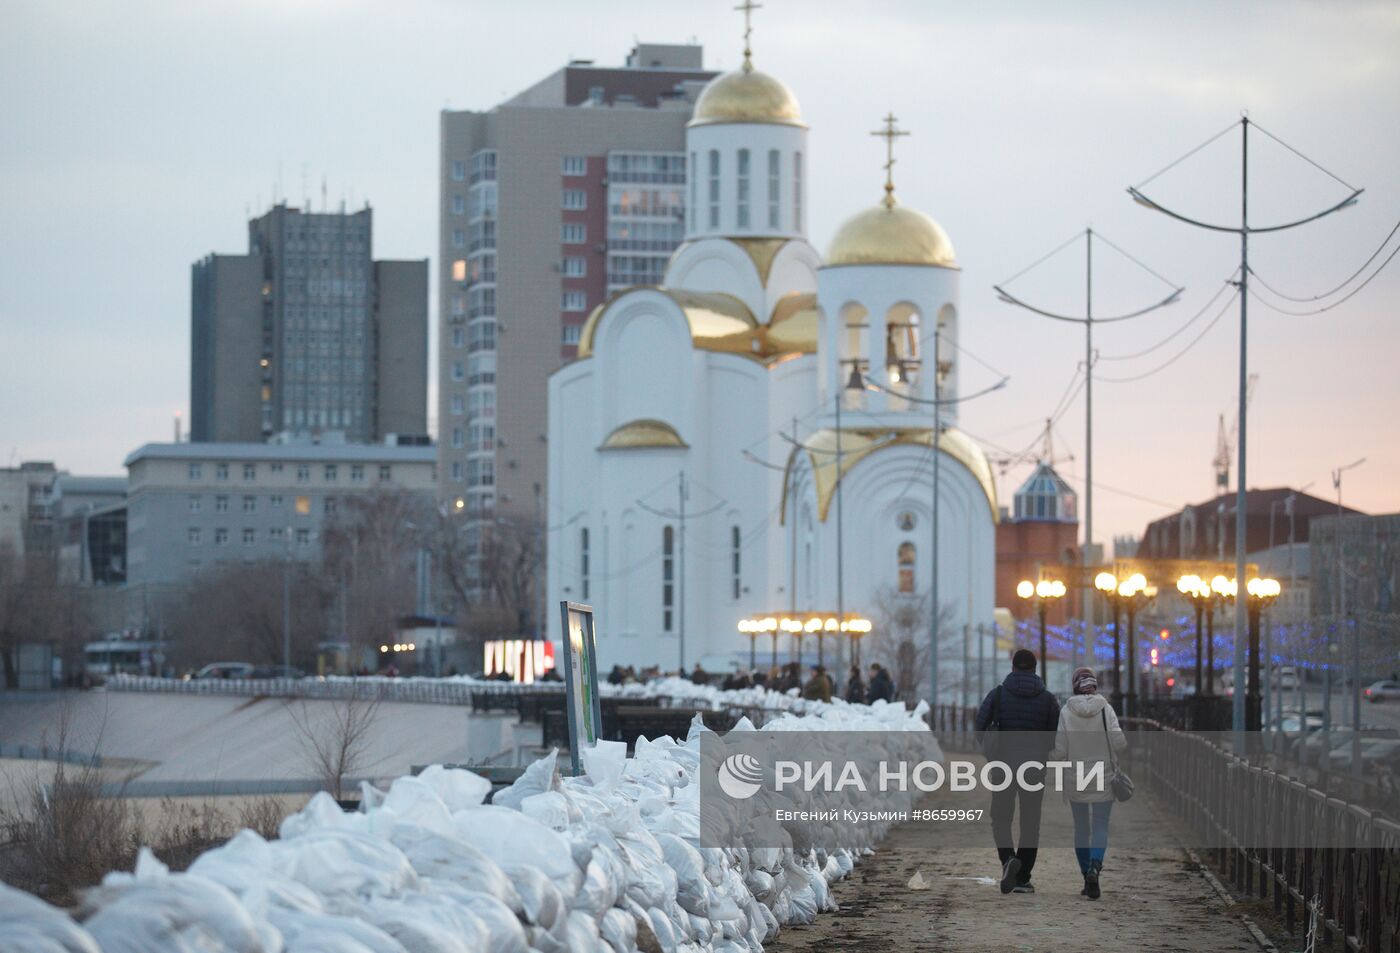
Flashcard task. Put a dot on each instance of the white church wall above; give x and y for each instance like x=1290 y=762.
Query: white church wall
x=645 y=362
x=573 y=473
x=718 y=265
x=725 y=140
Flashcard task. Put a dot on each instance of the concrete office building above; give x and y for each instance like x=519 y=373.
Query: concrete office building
x=307 y=333
x=193 y=505
x=551 y=201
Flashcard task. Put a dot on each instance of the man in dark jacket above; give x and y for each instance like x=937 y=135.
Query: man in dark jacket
x=1021 y=704
x=881 y=685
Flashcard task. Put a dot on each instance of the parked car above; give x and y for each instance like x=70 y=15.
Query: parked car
x=1287 y=677
x=226 y=670
x=1382 y=690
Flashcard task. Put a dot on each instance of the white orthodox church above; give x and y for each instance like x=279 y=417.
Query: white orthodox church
x=680 y=502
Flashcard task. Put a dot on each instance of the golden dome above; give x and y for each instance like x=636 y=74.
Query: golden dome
x=746 y=95
x=641 y=434
x=891 y=235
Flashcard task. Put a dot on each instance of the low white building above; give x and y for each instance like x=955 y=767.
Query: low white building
x=694 y=446
x=194 y=505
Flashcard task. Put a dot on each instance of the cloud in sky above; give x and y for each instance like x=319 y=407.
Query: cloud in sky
x=139 y=137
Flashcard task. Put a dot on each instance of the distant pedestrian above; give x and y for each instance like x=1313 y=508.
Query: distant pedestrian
x=1015 y=723
x=881 y=686
x=818 y=686
x=1089 y=734
x=855 y=687
x=700 y=676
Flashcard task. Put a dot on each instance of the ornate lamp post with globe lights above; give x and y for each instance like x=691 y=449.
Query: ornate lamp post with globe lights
x=1197 y=592
x=1043 y=593
x=1125 y=595
x=1261 y=594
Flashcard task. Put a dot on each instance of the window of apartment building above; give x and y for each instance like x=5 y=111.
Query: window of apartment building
x=457 y=438
x=575 y=267
x=221 y=472
x=250 y=504
x=220 y=504
x=482 y=403
x=774 y=186
x=797 y=191
x=481 y=368
x=459 y=306
x=329 y=505
x=668 y=582
x=196 y=471
x=456 y=403
x=459 y=238
x=386 y=473
x=483 y=201
x=303 y=537
x=690 y=206
x=459 y=205
x=481 y=336
x=194 y=504
x=575 y=200
x=457 y=471
x=250 y=470
x=459 y=270
x=458 y=371
x=303 y=473
x=573 y=233
x=332 y=473
x=481 y=267
x=275 y=467
x=220 y=536
x=459 y=337
x=303 y=506
x=275 y=534
x=483 y=166
x=742 y=208
x=714 y=188
x=573 y=301
x=357 y=470
x=571 y=334
x=196 y=535
x=481 y=472
x=575 y=165
x=250 y=536
x=275 y=501
x=459 y=171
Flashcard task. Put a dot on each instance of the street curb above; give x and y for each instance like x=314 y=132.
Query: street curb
x=1210 y=877
x=1264 y=942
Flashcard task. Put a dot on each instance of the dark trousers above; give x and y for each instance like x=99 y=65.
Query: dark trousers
x=1003 y=808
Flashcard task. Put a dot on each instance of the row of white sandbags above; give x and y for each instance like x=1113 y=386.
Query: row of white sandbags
x=604 y=862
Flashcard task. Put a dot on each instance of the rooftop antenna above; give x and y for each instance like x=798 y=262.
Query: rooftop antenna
x=305 y=186
x=889 y=134
x=323 y=191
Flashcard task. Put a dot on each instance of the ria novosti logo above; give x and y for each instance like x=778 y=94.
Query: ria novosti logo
x=740 y=776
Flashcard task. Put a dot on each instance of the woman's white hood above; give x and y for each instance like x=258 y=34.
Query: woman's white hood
x=1086 y=706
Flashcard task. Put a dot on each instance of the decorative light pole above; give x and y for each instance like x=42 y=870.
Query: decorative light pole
x=1261 y=594
x=1043 y=593
x=1197 y=592
x=1128 y=595
x=1223 y=593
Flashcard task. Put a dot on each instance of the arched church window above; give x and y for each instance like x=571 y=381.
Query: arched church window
x=735 y=549
x=668 y=576
x=583 y=561
x=694 y=175
x=774 y=187
x=797 y=191
x=902 y=357
x=742 y=208
x=907 y=558
x=714 y=188
x=853 y=350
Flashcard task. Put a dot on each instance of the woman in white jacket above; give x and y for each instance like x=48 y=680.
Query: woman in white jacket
x=1089 y=734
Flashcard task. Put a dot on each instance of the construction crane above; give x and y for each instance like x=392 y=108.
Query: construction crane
x=1225 y=441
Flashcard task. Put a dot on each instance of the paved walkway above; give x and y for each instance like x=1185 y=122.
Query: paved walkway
x=1153 y=901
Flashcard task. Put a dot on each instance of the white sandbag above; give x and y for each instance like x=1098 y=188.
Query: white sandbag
x=458 y=788
x=601 y=886
x=414 y=801
x=326 y=933
x=334 y=861
x=692 y=889
x=504 y=930
x=153 y=909
x=603 y=762
x=449 y=858
x=619 y=929
x=321 y=811
x=539 y=777
x=29 y=925
x=429 y=924
x=543 y=904
x=513 y=839
x=581 y=934
x=550 y=808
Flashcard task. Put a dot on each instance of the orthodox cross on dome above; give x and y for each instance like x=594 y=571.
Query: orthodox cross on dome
x=747 y=8
x=889 y=134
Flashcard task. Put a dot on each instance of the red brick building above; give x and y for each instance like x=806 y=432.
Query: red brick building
x=1039 y=537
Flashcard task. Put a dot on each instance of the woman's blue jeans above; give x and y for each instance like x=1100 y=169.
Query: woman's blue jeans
x=1090 y=831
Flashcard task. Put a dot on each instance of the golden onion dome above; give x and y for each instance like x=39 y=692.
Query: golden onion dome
x=891 y=234
x=746 y=95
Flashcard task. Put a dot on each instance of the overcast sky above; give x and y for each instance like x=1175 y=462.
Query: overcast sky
x=137 y=137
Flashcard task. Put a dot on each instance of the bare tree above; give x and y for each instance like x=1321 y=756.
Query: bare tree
x=338 y=749
x=900 y=642
x=37 y=605
x=368 y=561
x=509 y=562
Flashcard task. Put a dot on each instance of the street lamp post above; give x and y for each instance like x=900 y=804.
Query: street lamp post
x=1222 y=593
x=1043 y=593
x=1261 y=594
x=1197 y=592
x=1128 y=595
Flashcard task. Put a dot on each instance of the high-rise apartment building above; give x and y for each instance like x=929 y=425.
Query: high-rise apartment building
x=552 y=200
x=307 y=333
